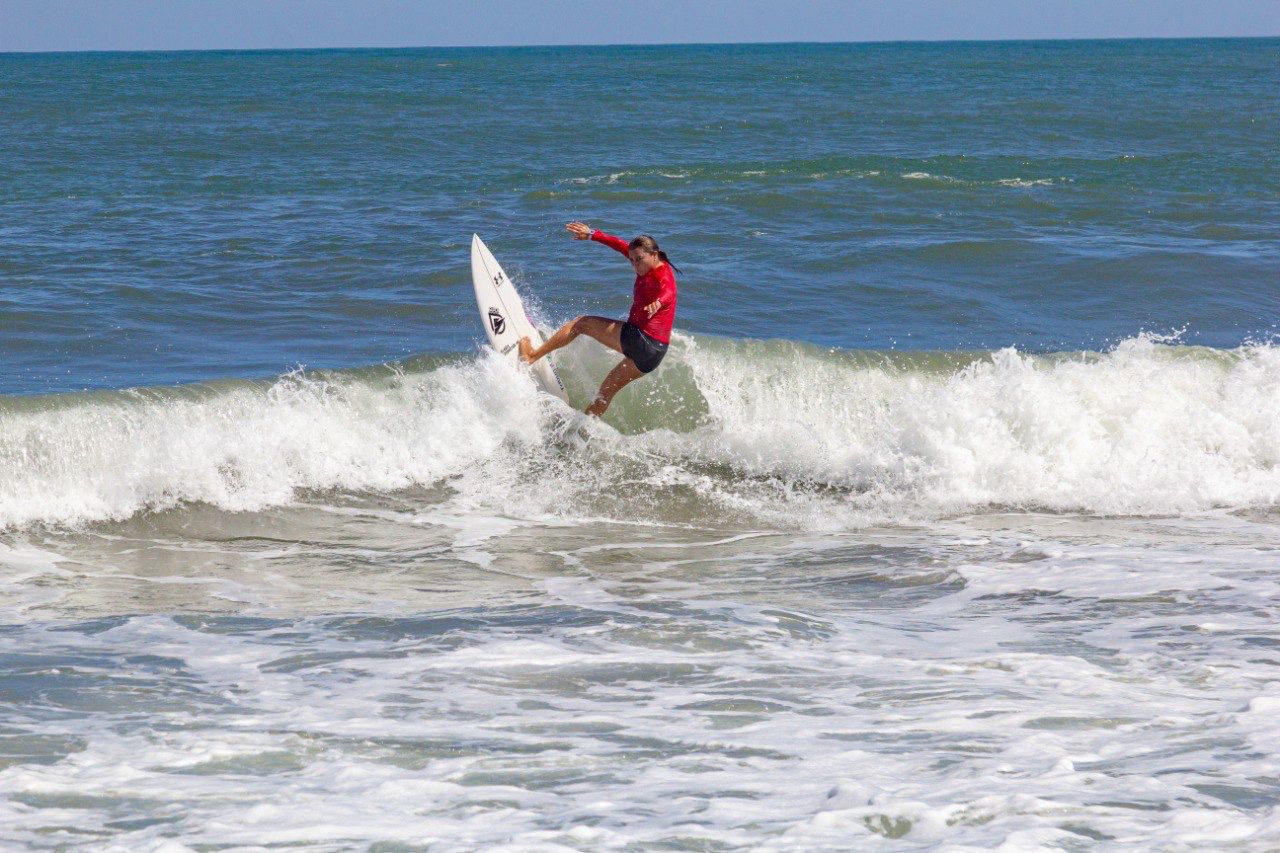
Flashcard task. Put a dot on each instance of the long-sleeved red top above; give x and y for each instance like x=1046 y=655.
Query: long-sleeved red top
x=658 y=283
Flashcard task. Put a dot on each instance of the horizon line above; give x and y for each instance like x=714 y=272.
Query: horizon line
x=803 y=42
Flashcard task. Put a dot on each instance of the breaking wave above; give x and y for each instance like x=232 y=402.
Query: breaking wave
x=765 y=430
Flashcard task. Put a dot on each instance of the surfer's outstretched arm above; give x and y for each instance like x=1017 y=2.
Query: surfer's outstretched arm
x=583 y=231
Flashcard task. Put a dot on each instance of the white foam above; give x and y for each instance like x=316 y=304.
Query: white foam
x=925 y=176
x=1025 y=182
x=611 y=178
x=255 y=445
x=1145 y=428
x=793 y=436
x=31 y=578
x=625 y=707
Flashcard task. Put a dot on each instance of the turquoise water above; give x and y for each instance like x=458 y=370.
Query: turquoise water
x=950 y=518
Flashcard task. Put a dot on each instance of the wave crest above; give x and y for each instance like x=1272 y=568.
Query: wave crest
x=1147 y=427
x=772 y=430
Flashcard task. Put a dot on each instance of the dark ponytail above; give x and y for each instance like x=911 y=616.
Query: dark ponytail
x=650 y=245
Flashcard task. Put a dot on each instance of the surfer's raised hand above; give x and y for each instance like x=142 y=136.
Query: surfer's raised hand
x=579 y=230
x=653 y=307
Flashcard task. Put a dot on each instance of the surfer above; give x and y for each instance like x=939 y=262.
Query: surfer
x=644 y=337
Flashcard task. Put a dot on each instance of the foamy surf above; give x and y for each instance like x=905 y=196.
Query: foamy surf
x=787 y=598
x=769 y=430
x=1020 y=685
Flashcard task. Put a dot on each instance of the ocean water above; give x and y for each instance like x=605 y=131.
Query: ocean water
x=951 y=521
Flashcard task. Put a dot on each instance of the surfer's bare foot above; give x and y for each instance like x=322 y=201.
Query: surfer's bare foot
x=526 y=351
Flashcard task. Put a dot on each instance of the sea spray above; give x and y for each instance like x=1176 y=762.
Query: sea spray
x=710 y=622
x=1147 y=427
x=249 y=445
x=784 y=431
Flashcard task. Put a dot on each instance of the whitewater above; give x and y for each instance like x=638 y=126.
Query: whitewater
x=779 y=432
x=793 y=598
x=951 y=520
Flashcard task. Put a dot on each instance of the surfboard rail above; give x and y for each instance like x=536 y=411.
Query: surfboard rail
x=503 y=316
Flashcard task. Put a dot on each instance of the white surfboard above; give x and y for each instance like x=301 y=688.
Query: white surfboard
x=503 y=317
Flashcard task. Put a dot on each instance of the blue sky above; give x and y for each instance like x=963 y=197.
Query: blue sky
x=193 y=24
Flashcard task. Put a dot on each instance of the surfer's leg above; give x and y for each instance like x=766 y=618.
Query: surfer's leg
x=625 y=373
x=604 y=330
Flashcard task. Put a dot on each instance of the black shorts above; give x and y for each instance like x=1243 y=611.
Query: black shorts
x=645 y=351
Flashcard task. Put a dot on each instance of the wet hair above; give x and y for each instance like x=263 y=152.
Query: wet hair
x=650 y=245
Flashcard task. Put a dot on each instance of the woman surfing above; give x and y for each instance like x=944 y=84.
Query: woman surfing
x=644 y=337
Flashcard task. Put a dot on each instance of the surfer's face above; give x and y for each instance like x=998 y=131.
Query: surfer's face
x=642 y=261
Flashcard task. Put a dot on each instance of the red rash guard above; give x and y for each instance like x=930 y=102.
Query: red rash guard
x=659 y=283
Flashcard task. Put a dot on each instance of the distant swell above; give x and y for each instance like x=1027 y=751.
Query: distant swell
x=774 y=430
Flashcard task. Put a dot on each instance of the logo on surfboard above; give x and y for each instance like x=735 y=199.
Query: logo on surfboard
x=496 y=321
